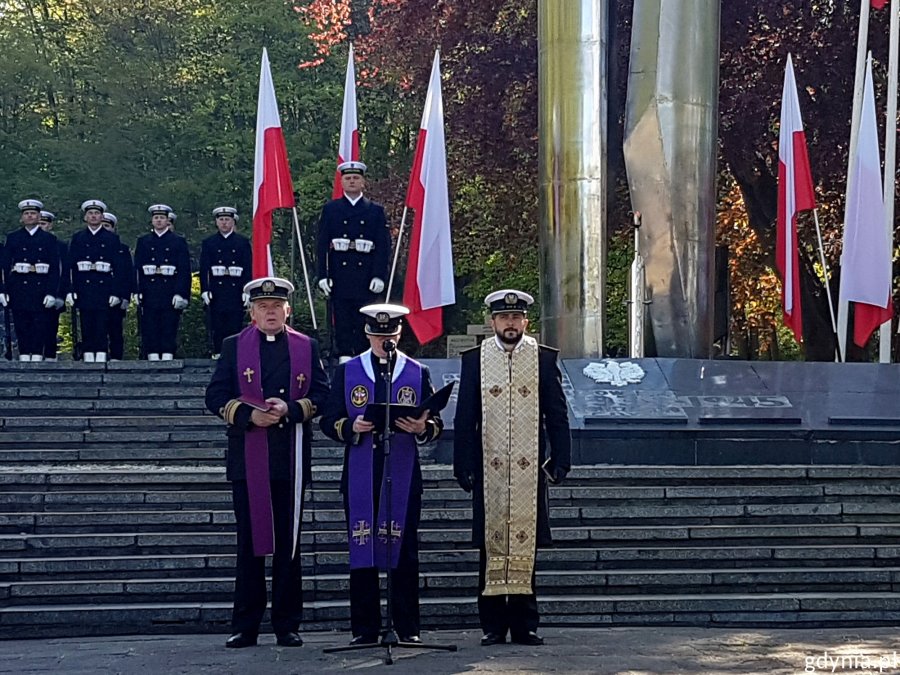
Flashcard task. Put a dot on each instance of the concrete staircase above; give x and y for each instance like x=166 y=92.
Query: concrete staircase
x=115 y=518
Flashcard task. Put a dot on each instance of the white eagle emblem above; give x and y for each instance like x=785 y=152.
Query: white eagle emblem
x=614 y=373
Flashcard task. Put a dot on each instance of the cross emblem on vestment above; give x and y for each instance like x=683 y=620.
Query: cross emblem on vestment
x=361 y=532
x=524 y=390
x=523 y=463
x=496 y=463
x=301 y=378
x=521 y=536
x=249 y=374
x=395 y=531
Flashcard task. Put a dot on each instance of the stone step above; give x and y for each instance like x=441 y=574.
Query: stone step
x=144 y=405
x=735 y=610
x=209 y=452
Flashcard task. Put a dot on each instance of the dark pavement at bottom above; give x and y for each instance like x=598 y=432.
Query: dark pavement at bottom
x=640 y=650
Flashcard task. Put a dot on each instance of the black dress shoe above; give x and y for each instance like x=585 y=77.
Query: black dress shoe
x=364 y=640
x=530 y=638
x=291 y=639
x=489 y=639
x=241 y=640
x=414 y=639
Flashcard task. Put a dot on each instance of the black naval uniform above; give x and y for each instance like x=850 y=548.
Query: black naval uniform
x=92 y=288
x=226 y=309
x=250 y=582
x=365 y=596
x=27 y=290
x=159 y=320
x=125 y=287
x=50 y=337
x=350 y=271
x=517 y=614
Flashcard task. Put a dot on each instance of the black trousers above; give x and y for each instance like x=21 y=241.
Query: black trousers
x=224 y=323
x=250 y=570
x=93 y=329
x=498 y=614
x=349 y=325
x=365 y=594
x=50 y=343
x=31 y=329
x=115 y=326
x=159 y=329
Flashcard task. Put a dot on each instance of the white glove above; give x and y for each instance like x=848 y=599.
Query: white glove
x=4 y=299
x=325 y=285
x=124 y=305
x=71 y=298
x=245 y=298
x=207 y=297
x=179 y=303
x=59 y=303
x=114 y=300
x=136 y=299
x=49 y=301
x=377 y=285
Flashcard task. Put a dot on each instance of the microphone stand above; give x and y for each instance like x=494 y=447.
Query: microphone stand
x=389 y=640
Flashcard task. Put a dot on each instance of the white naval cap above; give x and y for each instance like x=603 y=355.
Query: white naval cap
x=383 y=318
x=508 y=300
x=92 y=204
x=110 y=218
x=269 y=287
x=352 y=167
x=159 y=209
x=30 y=205
x=225 y=211
x=49 y=217
x=172 y=216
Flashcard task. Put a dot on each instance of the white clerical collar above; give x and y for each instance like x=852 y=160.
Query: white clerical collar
x=93 y=231
x=502 y=346
x=160 y=234
x=32 y=230
x=270 y=338
x=366 y=360
x=230 y=232
x=353 y=200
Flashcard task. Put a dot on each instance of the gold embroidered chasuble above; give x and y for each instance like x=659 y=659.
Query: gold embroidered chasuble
x=509 y=434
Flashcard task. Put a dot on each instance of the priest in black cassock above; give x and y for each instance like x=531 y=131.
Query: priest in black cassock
x=268 y=386
x=357 y=383
x=511 y=437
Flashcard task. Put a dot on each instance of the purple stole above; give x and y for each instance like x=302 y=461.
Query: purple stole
x=256 y=439
x=368 y=545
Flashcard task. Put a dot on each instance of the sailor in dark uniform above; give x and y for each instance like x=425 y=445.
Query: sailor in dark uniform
x=124 y=288
x=31 y=271
x=93 y=255
x=357 y=383
x=225 y=268
x=354 y=249
x=51 y=341
x=163 y=266
x=268 y=386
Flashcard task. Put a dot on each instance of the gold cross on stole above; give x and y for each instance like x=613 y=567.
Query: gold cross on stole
x=249 y=374
x=361 y=532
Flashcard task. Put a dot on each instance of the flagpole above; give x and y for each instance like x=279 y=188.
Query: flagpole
x=890 y=162
x=312 y=312
x=858 y=83
x=825 y=272
x=396 y=254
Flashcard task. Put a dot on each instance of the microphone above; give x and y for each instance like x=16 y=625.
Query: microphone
x=389 y=346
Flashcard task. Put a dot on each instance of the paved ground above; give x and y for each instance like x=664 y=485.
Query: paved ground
x=571 y=651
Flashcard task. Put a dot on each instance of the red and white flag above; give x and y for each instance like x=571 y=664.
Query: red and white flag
x=795 y=194
x=272 y=185
x=429 y=273
x=866 y=259
x=348 y=147
x=879 y=4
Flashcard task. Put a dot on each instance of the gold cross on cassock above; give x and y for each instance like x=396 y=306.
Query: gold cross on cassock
x=361 y=532
x=301 y=378
x=249 y=374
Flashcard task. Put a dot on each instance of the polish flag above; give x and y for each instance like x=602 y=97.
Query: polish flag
x=879 y=4
x=272 y=186
x=348 y=148
x=866 y=260
x=429 y=273
x=795 y=194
